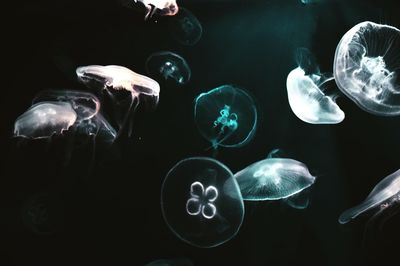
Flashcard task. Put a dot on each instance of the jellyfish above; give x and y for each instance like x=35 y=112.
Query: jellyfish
x=185 y=28
x=41 y=214
x=169 y=66
x=385 y=194
x=115 y=80
x=159 y=7
x=201 y=202
x=306 y=97
x=226 y=116
x=44 y=119
x=171 y=262
x=367 y=66
x=273 y=179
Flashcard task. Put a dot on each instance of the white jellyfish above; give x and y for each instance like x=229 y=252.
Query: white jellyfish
x=367 y=65
x=159 y=7
x=273 y=179
x=115 y=80
x=306 y=97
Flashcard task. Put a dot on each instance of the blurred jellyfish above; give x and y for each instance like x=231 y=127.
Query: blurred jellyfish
x=42 y=214
x=310 y=1
x=168 y=65
x=115 y=80
x=367 y=66
x=42 y=120
x=384 y=195
x=306 y=98
x=273 y=179
x=159 y=7
x=226 y=116
x=171 y=262
x=185 y=28
x=201 y=202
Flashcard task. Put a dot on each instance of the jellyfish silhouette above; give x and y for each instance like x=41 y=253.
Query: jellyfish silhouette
x=306 y=97
x=273 y=179
x=185 y=28
x=168 y=65
x=115 y=80
x=201 y=202
x=367 y=66
x=226 y=116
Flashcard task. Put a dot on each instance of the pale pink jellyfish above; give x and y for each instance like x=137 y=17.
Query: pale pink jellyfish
x=159 y=7
x=117 y=80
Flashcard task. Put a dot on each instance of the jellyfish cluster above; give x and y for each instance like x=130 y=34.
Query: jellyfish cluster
x=202 y=201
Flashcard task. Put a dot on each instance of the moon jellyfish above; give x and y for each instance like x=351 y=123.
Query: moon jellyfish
x=273 y=179
x=385 y=194
x=306 y=98
x=201 y=202
x=169 y=66
x=172 y=262
x=226 y=116
x=185 y=28
x=367 y=65
x=159 y=7
x=42 y=120
x=114 y=80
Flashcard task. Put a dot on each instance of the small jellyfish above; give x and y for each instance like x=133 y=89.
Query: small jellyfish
x=226 y=116
x=168 y=65
x=117 y=79
x=273 y=179
x=384 y=195
x=306 y=98
x=367 y=66
x=201 y=202
x=44 y=119
x=171 y=262
x=185 y=28
x=159 y=7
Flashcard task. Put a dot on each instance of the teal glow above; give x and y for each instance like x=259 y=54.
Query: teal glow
x=226 y=116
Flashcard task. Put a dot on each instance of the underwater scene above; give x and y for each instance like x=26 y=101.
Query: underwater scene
x=201 y=132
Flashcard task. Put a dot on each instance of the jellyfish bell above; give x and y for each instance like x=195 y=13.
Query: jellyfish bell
x=168 y=65
x=201 y=202
x=44 y=119
x=154 y=7
x=171 y=262
x=226 y=116
x=273 y=179
x=306 y=94
x=185 y=28
x=115 y=80
x=367 y=66
x=85 y=104
x=385 y=194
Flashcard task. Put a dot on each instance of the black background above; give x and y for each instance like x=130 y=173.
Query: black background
x=110 y=213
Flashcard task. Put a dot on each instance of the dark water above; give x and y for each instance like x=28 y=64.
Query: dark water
x=110 y=213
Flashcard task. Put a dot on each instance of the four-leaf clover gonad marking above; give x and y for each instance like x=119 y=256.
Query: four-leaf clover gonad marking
x=202 y=200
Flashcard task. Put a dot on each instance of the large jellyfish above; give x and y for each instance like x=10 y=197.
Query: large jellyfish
x=367 y=65
x=273 y=179
x=201 y=202
x=226 y=116
x=118 y=79
x=42 y=120
x=159 y=7
x=384 y=195
x=169 y=66
x=306 y=97
x=185 y=28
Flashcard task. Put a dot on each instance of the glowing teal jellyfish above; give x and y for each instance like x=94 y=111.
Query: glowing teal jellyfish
x=185 y=28
x=226 y=116
x=273 y=179
x=306 y=97
x=201 y=202
x=367 y=67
